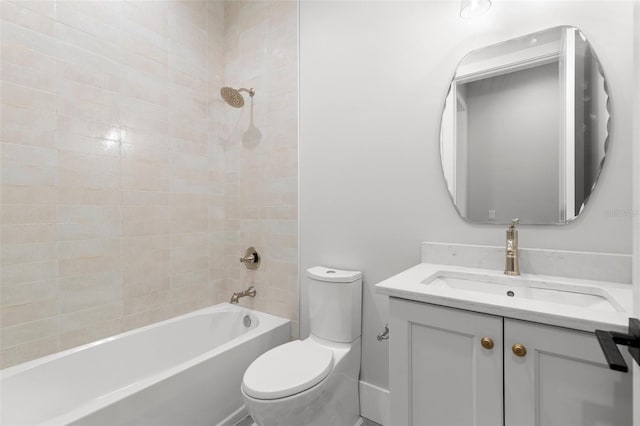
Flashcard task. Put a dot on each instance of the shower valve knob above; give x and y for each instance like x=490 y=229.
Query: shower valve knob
x=251 y=258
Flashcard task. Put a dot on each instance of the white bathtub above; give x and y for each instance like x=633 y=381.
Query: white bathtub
x=183 y=371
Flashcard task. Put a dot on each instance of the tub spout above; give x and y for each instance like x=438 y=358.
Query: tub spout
x=251 y=292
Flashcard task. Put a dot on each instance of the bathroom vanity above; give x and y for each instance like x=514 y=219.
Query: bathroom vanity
x=473 y=346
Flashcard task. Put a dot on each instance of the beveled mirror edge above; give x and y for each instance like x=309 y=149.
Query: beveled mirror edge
x=606 y=140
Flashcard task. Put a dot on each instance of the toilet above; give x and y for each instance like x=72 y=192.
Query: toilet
x=313 y=382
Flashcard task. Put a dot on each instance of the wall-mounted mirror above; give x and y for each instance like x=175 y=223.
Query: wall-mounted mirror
x=524 y=129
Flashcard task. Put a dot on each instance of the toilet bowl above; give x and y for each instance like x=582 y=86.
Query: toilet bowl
x=314 y=381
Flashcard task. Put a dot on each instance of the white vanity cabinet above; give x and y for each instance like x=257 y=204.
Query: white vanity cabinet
x=439 y=372
x=442 y=372
x=562 y=380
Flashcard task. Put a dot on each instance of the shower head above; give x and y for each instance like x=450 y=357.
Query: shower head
x=233 y=97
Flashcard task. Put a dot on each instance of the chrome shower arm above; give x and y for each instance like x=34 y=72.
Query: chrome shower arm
x=250 y=91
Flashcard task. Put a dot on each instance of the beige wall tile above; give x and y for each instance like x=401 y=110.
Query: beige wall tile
x=189 y=253
x=98 y=20
x=142 y=176
x=26 y=234
x=85 y=100
x=24 y=97
x=145 y=66
x=30 y=292
x=146 y=88
x=146 y=265
x=145 y=198
x=16 y=34
x=11 y=254
x=84 y=66
x=147 y=302
x=188 y=63
x=28 y=311
x=42 y=7
x=155 y=157
x=28 y=332
x=139 y=114
x=91 y=196
x=128 y=193
x=67 y=126
x=27 y=174
x=191 y=304
x=190 y=278
x=79 y=320
x=27 y=213
x=191 y=13
x=41 y=195
x=78 y=293
x=145 y=220
x=27 y=126
x=88 y=248
x=91 y=146
x=28 y=351
x=89 y=263
x=80 y=222
x=87 y=109
x=37 y=134
x=19 y=273
x=27 y=165
x=78 y=169
x=90 y=334
x=261 y=179
x=141 y=319
x=150 y=15
x=189 y=218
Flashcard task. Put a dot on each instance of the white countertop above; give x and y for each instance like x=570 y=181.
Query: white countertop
x=409 y=285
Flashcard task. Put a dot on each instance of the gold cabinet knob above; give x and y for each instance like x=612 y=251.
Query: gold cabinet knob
x=519 y=350
x=486 y=342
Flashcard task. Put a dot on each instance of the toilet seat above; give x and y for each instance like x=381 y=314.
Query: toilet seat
x=287 y=369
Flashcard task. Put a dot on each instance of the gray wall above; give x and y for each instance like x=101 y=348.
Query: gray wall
x=373 y=79
x=513 y=146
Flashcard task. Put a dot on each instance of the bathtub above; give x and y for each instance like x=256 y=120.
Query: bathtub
x=183 y=371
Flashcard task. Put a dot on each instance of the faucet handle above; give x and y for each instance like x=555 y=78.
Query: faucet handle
x=251 y=258
x=514 y=223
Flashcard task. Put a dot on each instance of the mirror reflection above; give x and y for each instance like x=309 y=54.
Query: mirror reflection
x=524 y=129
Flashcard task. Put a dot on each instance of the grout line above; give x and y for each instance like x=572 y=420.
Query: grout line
x=22 y=86
x=210 y=287
x=120 y=142
x=55 y=146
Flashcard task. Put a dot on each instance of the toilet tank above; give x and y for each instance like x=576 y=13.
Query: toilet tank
x=335 y=303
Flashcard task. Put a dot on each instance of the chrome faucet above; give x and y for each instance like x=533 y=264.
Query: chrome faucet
x=512 y=266
x=251 y=292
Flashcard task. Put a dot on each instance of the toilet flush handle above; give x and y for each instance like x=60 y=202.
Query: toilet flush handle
x=385 y=334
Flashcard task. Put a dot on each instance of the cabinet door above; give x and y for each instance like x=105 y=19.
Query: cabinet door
x=562 y=380
x=440 y=374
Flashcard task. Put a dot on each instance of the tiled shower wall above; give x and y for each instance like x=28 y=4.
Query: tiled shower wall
x=261 y=153
x=118 y=170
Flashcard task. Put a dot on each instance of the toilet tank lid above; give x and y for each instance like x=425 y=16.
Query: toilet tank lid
x=320 y=273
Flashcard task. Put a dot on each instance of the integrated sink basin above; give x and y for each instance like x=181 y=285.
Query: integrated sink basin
x=525 y=288
x=566 y=302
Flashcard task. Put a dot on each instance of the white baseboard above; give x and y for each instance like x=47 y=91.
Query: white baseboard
x=234 y=417
x=374 y=403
